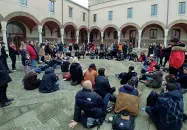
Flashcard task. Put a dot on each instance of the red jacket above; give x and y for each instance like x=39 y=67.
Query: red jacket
x=151 y=66
x=31 y=52
x=176 y=59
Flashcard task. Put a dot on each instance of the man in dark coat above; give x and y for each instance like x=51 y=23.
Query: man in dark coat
x=125 y=48
x=4 y=80
x=49 y=82
x=157 y=52
x=167 y=113
x=102 y=85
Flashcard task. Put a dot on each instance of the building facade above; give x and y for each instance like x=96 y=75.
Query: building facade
x=105 y=21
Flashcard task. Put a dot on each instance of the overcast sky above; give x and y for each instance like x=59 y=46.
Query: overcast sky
x=82 y=2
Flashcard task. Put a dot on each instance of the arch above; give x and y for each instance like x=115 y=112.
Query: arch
x=1 y=17
x=111 y=25
x=129 y=24
x=50 y=19
x=70 y=23
x=153 y=22
x=177 y=22
x=83 y=26
x=20 y=13
x=95 y=27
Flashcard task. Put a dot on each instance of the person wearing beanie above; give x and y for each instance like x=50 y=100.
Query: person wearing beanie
x=89 y=104
x=102 y=85
x=167 y=113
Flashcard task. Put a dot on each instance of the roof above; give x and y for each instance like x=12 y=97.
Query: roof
x=77 y=4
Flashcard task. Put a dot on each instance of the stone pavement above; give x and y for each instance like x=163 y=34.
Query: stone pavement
x=32 y=110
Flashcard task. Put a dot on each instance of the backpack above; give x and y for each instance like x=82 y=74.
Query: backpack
x=89 y=122
x=152 y=98
x=65 y=66
x=122 y=124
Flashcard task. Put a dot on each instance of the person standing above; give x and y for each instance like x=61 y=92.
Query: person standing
x=4 y=80
x=124 y=48
x=32 y=54
x=130 y=48
x=101 y=47
x=157 y=52
x=161 y=55
x=12 y=53
x=24 y=56
x=41 y=52
x=150 y=50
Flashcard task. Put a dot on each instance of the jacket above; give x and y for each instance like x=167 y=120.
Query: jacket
x=150 y=50
x=90 y=103
x=177 y=57
x=41 y=52
x=48 y=82
x=151 y=66
x=90 y=75
x=167 y=52
x=183 y=81
x=31 y=52
x=168 y=111
x=4 y=76
x=120 y=48
x=3 y=53
x=127 y=77
x=76 y=72
x=156 y=81
x=157 y=51
x=125 y=47
x=12 y=51
x=127 y=100
x=102 y=86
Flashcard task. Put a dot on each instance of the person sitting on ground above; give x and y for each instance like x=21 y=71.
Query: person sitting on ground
x=128 y=99
x=96 y=52
x=30 y=80
x=183 y=79
x=102 y=85
x=142 y=57
x=150 y=65
x=125 y=77
x=167 y=113
x=49 y=82
x=91 y=74
x=76 y=72
x=155 y=78
x=89 y=105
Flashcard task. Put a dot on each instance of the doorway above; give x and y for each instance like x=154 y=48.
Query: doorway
x=132 y=37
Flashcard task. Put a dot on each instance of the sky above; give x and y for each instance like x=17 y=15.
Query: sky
x=82 y=2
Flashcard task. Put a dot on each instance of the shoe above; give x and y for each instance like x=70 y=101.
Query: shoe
x=14 y=70
x=117 y=76
x=110 y=107
x=10 y=99
x=6 y=104
x=9 y=71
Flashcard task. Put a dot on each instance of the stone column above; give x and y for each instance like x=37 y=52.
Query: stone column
x=102 y=35
x=140 y=38
x=62 y=34
x=4 y=25
x=40 y=33
x=119 y=36
x=165 y=37
x=88 y=37
x=77 y=35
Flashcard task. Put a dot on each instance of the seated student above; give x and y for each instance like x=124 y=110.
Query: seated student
x=142 y=57
x=92 y=55
x=172 y=79
x=149 y=67
x=91 y=74
x=102 y=55
x=76 y=72
x=167 y=113
x=125 y=77
x=155 y=78
x=183 y=79
x=49 y=82
x=128 y=99
x=102 y=85
x=30 y=81
x=89 y=105
x=96 y=53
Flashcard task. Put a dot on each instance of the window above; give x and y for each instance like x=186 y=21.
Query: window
x=23 y=2
x=182 y=7
x=129 y=13
x=84 y=15
x=43 y=31
x=176 y=33
x=153 y=33
x=70 y=12
x=154 y=10
x=110 y=13
x=95 y=17
x=52 y=6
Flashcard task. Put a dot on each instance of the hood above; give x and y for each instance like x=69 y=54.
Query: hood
x=174 y=94
x=128 y=87
x=49 y=70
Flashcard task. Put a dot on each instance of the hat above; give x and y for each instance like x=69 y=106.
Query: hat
x=87 y=84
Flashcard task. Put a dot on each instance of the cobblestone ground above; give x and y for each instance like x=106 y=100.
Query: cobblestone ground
x=32 y=110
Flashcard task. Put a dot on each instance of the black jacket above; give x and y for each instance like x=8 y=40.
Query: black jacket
x=127 y=77
x=48 y=82
x=12 y=52
x=157 y=50
x=90 y=103
x=102 y=86
x=76 y=72
x=3 y=53
x=125 y=48
x=4 y=76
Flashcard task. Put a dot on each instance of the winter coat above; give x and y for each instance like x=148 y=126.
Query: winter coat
x=76 y=72
x=48 y=82
x=151 y=66
x=120 y=48
x=124 y=48
x=30 y=81
x=183 y=81
x=168 y=111
x=101 y=47
x=127 y=77
x=115 y=47
x=127 y=100
x=167 y=52
x=130 y=48
x=90 y=103
x=32 y=52
x=177 y=57
x=41 y=52
x=12 y=51
x=157 y=51
x=4 y=76
x=3 y=53
x=156 y=82
x=102 y=86
x=90 y=75
x=150 y=50
x=76 y=47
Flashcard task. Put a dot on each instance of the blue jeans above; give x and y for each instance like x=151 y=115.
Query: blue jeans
x=32 y=63
x=40 y=58
x=107 y=99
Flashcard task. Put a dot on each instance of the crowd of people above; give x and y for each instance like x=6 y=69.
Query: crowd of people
x=97 y=98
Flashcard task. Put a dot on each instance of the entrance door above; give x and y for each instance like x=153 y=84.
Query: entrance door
x=132 y=37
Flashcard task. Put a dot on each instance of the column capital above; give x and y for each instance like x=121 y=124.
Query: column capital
x=3 y=25
x=40 y=28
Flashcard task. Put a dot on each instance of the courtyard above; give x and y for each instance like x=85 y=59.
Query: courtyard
x=32 y=110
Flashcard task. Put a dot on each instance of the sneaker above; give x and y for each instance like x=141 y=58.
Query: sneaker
x=143 y=81
x=110 y=107
x=9 y=71
x=14 y=70
x=117 y=76
x=6 y=104
x=10 y=99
